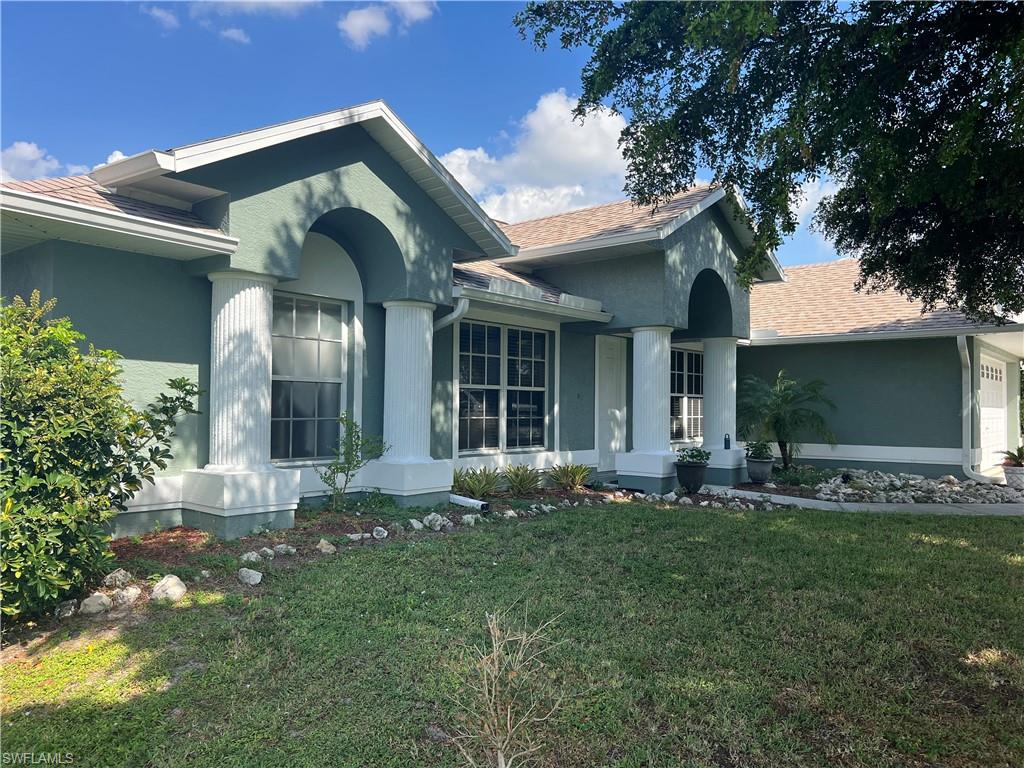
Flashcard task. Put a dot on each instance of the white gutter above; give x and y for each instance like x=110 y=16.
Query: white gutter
x=758 y=340
x=966 y=422
x=533 y=305
x=461 y=308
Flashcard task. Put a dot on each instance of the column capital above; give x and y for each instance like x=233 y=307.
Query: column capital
x=411 y=303
x=664 y=328
x=256 y=277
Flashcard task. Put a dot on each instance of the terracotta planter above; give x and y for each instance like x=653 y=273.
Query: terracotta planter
x=690 y=475
x=1014 y=477
x=760 y=470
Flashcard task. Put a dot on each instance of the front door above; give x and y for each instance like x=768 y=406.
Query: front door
x=611 y=400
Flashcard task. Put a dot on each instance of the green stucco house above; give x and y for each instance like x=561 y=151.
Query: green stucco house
x=333 y=264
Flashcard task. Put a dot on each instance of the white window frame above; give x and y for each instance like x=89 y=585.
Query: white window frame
x=686 y=395
x=551 y=382
x=342 y=381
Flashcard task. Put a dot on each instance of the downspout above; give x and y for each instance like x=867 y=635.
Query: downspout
x=461 y=307
x=966 y=422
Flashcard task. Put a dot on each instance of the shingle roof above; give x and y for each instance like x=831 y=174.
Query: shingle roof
x=616 y=218
x=478 y=274
x=85 y=191
x=819 y=299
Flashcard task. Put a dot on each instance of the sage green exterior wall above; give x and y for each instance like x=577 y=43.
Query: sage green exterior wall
x=576 y=391
x=443 y=390
x=149 y=310
x=343 y=182
x=892 y=393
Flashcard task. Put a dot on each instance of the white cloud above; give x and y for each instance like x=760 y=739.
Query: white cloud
x=162 y=16
x=413 y=11
x=26 y=160
x=555 y=163
x=811 y=193
x=113 y=157
x=361 y=25
x=235 y=35
x=247 y=8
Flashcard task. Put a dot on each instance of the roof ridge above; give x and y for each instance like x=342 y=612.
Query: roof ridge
x=828 y=263
x=62 y=182
x=687 y=191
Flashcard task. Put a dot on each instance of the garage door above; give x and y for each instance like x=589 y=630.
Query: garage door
x=993 y=411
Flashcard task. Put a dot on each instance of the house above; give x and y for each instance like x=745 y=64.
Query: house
x=332 y=264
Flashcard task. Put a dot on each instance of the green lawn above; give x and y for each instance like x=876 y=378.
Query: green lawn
x=689 y=637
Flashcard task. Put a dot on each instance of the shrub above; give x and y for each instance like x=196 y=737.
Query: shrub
x=759 y=449
x=74 y=452
x=522 y=480
x=570 y=477
x=694 y=455
x=476 y=483
x=353 y=452
x=803 y=475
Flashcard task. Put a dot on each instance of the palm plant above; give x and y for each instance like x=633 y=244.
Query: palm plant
x=783 y=411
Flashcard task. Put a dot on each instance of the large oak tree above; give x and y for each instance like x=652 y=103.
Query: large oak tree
x=915 y=111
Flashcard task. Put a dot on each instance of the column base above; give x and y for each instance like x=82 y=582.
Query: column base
x=412 y=483
x=648 y=471
x=728 y=466
x=235 y=502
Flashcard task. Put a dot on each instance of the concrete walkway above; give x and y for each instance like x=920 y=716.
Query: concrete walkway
x=978 y=510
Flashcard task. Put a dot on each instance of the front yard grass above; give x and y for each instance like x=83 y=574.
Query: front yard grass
x=694 y=636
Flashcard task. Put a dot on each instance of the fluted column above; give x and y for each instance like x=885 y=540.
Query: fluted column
x=240 y=356
x=408 y=337
x=719 y=393
x=651 y=379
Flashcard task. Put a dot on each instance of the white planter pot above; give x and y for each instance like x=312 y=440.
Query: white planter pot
x=1014 y=477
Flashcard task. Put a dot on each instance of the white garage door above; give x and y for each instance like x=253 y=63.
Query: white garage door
x=993 y=411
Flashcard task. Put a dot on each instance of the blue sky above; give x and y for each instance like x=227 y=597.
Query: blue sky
x=81 y=81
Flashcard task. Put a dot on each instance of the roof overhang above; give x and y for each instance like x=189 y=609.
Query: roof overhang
x=570 y=308
x=30 y=218
x=596 y=248
x=375 y=117
x=762 y=338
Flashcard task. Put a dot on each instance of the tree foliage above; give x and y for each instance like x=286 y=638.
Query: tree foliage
x=914 y=111
x=73 y=451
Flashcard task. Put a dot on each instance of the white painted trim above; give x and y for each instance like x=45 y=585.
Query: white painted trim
x=535 y=459
x=532 y=305
x=831 y=338
x=886 y=453
x=45 y=207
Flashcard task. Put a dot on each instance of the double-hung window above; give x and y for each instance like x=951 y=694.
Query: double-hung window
x=308 y=377
x=687 y=408
x=503 y=375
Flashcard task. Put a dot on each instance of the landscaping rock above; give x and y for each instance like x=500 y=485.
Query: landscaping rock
x=127 y=596
x=949 y=480
x=858 y=485
x=670 y=497
x=380 y=533
x=471 y=520
x=684 y=501
x=95 y=604
x=509 y=514
x=415 y=524
x=325 y=547
x=118 y=578
x=436 y=522
x=357 y=536
x=250 y=557
x=267 y=553
x=547 y=508
x=66 y=609
x=284 y=549
x=170 y=587
x=249 y=577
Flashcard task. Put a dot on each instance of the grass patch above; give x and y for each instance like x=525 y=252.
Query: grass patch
x=687 y=637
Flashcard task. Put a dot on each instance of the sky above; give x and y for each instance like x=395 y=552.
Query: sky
x=84 y=83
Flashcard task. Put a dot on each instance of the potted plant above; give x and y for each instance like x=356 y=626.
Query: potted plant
x=691 y=466
x=1013 y=468
x=759 y=461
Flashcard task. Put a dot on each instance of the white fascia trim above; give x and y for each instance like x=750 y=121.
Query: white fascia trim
x=832 y=338
x=45 y=207
x=153 y=163
x=533 y=305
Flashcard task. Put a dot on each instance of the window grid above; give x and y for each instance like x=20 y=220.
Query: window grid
x=507 y=410
x=307 y=377
x=687 y=395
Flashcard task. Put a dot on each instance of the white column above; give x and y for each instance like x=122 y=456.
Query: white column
x=719 y=393
x=651 y=378
x=408 y=337
x=240 y=370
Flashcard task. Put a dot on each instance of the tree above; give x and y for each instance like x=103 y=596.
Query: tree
x=784 y=411
x=73 y=450
x=913 y=111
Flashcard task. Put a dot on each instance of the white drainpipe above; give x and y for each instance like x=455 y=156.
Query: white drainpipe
x=461 y=307
x=967 y=427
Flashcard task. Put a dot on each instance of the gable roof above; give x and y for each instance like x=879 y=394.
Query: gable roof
x=375 y=117
x=485 y=274
x=818 y=301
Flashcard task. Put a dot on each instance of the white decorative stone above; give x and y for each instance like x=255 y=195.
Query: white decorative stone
x=94 y=604
x=380 y=533
x=66 y=609
x=284 y=549
x=267 y=553
x=250 y=557
x=325 y=547
x=249 y=577
x=170 y=587
x=434 y=521
x=127 y=595
x=685 y=501
x=471 y=520
x=118 y=578
x=357 y=536
x=415 y=524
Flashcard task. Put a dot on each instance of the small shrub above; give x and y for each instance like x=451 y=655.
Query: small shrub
x=570 y=477
x=694 y=455
x=522 y=480
x=759 y=449
x=476 y=483
x=353 y=452
x=803 y=475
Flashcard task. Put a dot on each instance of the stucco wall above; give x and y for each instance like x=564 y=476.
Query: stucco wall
x=576 y=396
x=892 y=393
x=443 y=390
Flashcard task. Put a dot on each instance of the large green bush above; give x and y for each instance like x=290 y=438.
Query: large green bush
x=73 y=451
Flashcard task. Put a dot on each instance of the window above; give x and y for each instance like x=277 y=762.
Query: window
x=502 y=387
x=687 y=409
x=308 y=377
